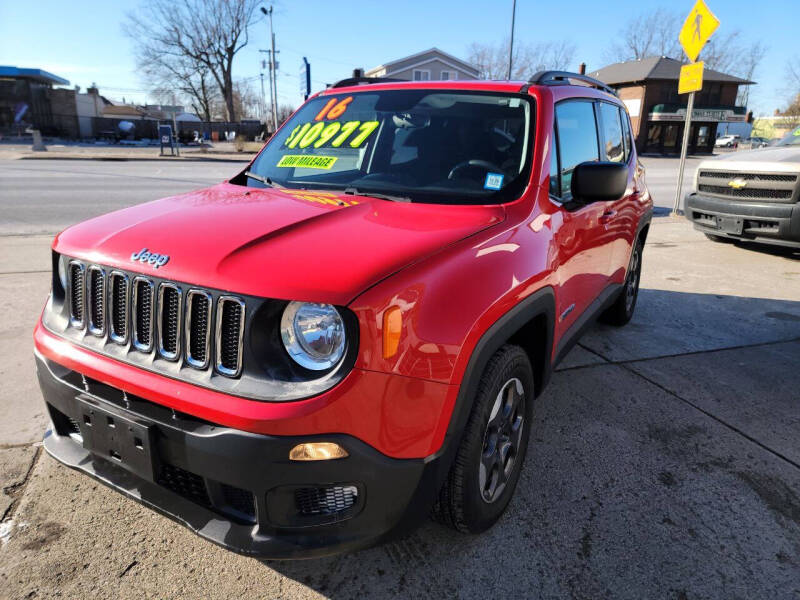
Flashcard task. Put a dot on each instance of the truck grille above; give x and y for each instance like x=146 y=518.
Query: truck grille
x=152 y=315
x=773 y=187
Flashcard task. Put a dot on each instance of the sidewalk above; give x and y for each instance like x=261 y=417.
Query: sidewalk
x=222 y=151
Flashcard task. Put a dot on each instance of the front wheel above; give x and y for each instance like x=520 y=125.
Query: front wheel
x=621 y=311
x=484 y=474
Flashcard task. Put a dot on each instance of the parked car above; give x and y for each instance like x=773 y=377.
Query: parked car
x=351 y=333
x=750 y=196
x=726 y=141
x=755 y=142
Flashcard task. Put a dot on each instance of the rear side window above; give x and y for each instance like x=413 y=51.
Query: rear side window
x=577 y=139
x=613 y=148
x=626 y=132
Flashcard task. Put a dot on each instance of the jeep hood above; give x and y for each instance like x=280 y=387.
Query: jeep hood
x=277 y=243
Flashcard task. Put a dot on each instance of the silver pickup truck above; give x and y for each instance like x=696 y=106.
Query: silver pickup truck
x=750 y=195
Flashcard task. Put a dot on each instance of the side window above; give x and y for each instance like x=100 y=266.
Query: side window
x=626 y=133
x=613 y=149
x=577 y=139
x=554 y=189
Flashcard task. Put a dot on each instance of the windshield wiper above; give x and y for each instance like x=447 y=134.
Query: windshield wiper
x=351 y=191
x=265 y=180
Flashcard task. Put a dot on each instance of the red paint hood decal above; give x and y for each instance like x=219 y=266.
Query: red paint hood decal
x=289 y=244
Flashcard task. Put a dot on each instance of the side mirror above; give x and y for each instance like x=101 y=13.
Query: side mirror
x=599 y=181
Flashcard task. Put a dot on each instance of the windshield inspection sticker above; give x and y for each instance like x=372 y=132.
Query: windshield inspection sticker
x=494 y=181
x=307 y=161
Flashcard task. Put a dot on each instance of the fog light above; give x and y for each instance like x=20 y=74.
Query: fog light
x=317 y=451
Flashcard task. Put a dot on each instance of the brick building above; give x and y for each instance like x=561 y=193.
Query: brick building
x=649 y=88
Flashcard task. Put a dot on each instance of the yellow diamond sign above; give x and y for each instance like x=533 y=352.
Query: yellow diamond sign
x=691 y=78
x=699 y=26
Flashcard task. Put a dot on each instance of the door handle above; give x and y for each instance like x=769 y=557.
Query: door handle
x=607 y=216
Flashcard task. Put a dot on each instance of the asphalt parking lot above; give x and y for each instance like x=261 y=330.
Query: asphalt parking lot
x=664 y=460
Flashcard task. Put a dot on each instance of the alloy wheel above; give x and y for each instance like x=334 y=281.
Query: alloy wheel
x=501 y=440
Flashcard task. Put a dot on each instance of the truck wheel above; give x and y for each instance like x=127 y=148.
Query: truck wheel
x=484 y=474
x=621 y=311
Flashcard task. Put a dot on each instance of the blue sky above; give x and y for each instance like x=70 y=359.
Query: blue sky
x=83 y=41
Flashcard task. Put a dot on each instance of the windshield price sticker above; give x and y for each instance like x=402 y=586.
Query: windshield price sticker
x=335 y=134
x=307 y=161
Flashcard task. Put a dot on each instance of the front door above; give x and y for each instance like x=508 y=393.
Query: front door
x=584 y=245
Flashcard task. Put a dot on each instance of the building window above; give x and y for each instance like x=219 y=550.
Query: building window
x=422 y=75
x=448 y=75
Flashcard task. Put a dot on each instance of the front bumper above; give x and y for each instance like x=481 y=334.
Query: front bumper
x=235 y=488
x=769 y=223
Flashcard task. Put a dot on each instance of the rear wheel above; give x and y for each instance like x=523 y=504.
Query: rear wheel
x=621 y=311
x=484 y=474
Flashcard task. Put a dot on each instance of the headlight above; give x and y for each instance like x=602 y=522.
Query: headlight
x=313 y=334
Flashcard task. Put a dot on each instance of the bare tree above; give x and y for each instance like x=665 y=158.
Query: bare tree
x=655 y=33
x=492 y=59
x=167 y=76
x=198 y=38
x=649 y=34
x=793 y=76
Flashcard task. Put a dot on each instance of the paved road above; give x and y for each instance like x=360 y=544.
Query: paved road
x=663 y=462
x=45 y=196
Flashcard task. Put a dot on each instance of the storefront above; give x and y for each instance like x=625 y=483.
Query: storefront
x=649 y=88
x=666 y=124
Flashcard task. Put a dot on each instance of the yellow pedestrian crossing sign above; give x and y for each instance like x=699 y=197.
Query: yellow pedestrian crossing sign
x=691 y=78
x=698 y=27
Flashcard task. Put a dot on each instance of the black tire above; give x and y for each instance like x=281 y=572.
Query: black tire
x=720 y=239
x=621 y=311
x=472 y=500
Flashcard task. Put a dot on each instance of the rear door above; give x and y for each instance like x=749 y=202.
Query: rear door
x=620 y=216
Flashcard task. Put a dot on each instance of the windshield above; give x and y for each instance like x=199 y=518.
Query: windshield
x=790 y=139
x=419 y=145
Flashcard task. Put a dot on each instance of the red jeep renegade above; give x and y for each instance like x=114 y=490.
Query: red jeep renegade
x=350 y=334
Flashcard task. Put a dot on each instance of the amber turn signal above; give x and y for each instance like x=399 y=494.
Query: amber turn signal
x=317 y=451
x=392 y=326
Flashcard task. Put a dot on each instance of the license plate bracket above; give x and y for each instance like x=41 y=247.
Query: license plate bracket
x=734 y=225
x=117 y=438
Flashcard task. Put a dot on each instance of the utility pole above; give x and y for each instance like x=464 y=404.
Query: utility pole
x=263 y=97
x=273 y=67
x=511 y=44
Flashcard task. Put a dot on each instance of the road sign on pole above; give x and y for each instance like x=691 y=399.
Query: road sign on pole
x=697 y=29
x=691 y=78
x=699 y=26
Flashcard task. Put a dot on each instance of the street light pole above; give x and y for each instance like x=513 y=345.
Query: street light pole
x=511 y=43
x=273 y=65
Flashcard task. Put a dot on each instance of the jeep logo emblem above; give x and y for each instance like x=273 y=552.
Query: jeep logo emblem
x=151 y=258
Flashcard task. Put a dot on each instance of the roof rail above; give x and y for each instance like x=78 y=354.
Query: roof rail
x=563 y=78
x=363 y=81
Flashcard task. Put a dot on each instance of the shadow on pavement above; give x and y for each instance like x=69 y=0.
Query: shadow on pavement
x=634 y=486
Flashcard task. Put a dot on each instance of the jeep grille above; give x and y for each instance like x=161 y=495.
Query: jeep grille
x=157 y=316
